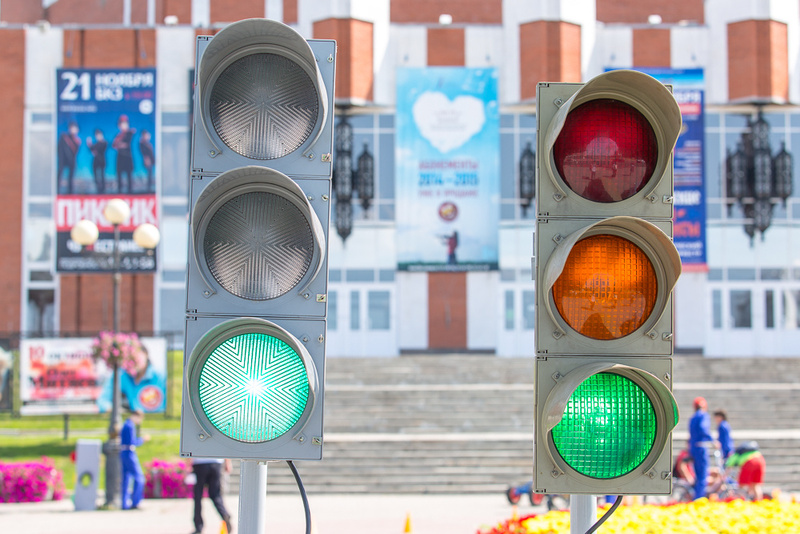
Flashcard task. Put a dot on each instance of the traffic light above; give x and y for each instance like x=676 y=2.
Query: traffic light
x=257 y=278
x=605 y=269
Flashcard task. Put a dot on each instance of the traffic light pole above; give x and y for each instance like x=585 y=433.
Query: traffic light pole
x=252 y=496
x=582 y=513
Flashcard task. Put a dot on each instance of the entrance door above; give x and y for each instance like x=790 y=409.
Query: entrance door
x=447 y=311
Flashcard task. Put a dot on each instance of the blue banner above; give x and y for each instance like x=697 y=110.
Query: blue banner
x=689 y=230
x=447 y=180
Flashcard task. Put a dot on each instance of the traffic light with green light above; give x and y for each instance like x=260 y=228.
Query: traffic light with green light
x=256 y=291
x=605 y=270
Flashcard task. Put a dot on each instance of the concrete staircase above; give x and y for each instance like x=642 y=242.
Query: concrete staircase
x=463 y=424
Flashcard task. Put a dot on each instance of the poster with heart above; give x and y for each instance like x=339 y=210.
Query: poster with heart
x=447 y=169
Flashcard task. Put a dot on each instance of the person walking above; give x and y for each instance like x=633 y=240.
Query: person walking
x=208 y=472
x=131 y=469
x=723 y=434
x=700 y=440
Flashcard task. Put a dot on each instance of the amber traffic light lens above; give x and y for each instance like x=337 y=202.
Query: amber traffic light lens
x=606 y=151
x=608 y=287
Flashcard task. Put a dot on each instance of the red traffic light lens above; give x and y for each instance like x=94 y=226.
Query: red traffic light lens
x=608 y=287
x=606 y=150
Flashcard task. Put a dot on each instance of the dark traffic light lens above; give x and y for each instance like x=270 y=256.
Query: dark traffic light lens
x=608 y=287
x=606 y=151
x=608 y=428
x=253 y=387
x=258 y=245
x=264 y=106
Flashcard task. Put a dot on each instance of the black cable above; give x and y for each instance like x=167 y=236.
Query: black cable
x=304 y=496
x=606 y=515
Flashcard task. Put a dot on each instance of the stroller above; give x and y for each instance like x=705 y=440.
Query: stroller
x=553 y=502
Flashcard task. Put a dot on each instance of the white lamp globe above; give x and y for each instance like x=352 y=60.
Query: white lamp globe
x=116 y=211
x=84 y=233
x=146 y=236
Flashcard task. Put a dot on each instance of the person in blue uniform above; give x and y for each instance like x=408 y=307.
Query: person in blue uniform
x=723 y=434
x=132 y=474
x=700 y=441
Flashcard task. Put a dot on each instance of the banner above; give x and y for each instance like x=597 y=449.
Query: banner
x=689 y=230
x=447 y=179
x=59 y=376
x=105 y=148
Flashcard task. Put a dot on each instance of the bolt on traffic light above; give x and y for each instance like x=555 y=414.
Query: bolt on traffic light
x=256 y=303
x=605 y=270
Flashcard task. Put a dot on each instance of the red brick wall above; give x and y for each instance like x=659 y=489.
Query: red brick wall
x=446 y=47
x=12 y=94
x=289 y=11
x=758 y=61
x=651 y=48
x=87 y=300
x=354 y=70
x=550 y=51
x=21 y=11
x=86 y=11
x=463 y=11
x=637 y=11
x=233 y=10
x=178 y=8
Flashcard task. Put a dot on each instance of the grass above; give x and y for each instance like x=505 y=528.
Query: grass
x=31 y=437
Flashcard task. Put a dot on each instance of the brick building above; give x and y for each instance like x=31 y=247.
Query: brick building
x=744 y=299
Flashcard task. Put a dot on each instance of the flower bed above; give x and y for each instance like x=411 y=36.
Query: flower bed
x=698 y=517
x=35 y=481
x=167 y=480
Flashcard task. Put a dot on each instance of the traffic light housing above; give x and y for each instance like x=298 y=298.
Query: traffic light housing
x=605 y=270
x=257 y=277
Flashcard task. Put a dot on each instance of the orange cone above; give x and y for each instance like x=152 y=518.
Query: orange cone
x=223 y=529
x=407 y=530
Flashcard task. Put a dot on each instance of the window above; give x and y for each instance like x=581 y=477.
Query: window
x=741 y=308
x=355 y=306
x=509 y=309
x=769 y=309
x=378 y=305
x=791 y=309
x=332 y=302
x=528 y=310
x=716 y=308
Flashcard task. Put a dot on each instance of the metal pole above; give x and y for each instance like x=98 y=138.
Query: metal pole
x=252 y=497
x=582 y=513
x=111 y=448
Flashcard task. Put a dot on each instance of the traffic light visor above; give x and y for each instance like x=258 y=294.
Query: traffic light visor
x=606 y=143
x=606 y=420
x=610 y=279
x=254 y=381
x=256 y=235
x=261 y=93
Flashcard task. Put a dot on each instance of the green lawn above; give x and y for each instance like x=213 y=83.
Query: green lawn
x=31 y=437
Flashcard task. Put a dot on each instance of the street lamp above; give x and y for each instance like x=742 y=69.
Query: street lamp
x=756 y=179
x=147 y=236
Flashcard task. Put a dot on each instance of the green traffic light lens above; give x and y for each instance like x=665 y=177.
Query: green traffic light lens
x=608 y=427
x=253 y=387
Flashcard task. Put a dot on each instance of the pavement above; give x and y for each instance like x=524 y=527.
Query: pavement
x=331 y=514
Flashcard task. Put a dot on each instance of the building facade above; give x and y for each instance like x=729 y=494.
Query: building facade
x=743 y=299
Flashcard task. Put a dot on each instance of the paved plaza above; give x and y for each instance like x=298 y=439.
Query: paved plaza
x=332 y=514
